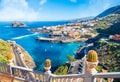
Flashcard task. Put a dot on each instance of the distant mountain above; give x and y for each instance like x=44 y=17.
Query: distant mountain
x=81 y=19
x=112 y=10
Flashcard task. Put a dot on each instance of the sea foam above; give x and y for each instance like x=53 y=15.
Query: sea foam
x=20 y=37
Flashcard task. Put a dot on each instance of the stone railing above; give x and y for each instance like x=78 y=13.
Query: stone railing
x=84 y=77
x=22 y=73
x=31 y=75
x=90 y=74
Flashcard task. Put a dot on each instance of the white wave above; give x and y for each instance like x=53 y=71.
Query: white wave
x=20 y=37
x=28 y=29
x=7 y=26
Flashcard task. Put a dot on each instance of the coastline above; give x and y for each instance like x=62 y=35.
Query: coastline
x=63 y=41
x=70 y=32
x=61 y=34
x=65 y=34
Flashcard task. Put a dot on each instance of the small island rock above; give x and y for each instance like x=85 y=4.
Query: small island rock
x=18 y=24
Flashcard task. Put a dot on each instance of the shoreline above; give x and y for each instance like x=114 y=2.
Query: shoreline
x=64 y=36
x=65 y=33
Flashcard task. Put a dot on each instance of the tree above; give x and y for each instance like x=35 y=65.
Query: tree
x=62 y=70
x=70 y=58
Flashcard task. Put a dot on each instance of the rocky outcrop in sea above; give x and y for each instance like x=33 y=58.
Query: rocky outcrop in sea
x=18 y=24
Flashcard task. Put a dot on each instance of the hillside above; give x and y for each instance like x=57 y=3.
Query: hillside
x=112 y=10
x=5 y=52
x=108 y=51
x=82 y=19
x=109 y=54
x=109 y=24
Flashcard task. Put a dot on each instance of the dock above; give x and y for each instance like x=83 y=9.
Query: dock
x=61 y=40
x=48 y=39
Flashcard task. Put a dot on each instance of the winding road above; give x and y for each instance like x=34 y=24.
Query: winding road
x=19 y=59
x=18 y=55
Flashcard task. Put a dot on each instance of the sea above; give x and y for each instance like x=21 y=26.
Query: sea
x=39 y=50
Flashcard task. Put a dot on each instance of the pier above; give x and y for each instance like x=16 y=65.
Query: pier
x=61 y=40
x=48 y=39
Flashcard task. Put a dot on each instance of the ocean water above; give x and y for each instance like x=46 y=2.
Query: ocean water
x=39 y=50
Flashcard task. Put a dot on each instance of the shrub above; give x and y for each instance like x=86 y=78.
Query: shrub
x=62 y=70
x=70 y=58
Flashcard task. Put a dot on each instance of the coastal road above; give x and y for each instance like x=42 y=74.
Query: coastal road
x=18 y=56
x=19 y=59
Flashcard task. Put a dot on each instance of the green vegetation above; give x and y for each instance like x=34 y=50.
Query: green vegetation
x=62 y=70
x=70 y=58
x=108 y=54
x=114 y=29
x=108 y=51
x=98 y=68
x=5 y=52
x=107 y=21
x=109 y=24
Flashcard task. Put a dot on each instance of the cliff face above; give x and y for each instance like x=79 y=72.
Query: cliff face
x=112 y=10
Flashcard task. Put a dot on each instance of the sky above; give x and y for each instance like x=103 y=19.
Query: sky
x=52 y=10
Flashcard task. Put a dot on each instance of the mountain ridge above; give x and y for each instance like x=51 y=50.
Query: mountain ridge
x=112 y=10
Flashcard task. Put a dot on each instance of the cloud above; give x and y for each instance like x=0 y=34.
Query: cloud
x=12 y=10
x=42 y=2
x=74 y=1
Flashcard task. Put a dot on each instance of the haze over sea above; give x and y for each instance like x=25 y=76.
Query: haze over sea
x=39 y=51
